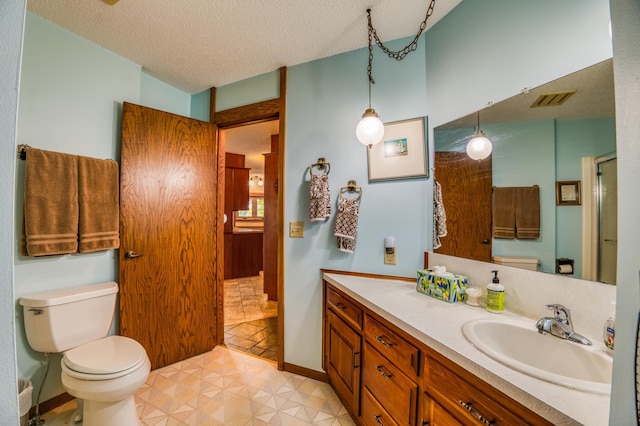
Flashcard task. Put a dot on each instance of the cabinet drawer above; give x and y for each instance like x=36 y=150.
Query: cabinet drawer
x=392 y=346
x=390 y=386
x=476 y=404
x=344 y=307
x=372 y=412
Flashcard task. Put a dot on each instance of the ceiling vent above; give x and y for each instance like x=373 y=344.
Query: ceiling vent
x=552 y=99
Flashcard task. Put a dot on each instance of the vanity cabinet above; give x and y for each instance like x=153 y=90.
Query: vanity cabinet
x=343 y=348
x=400 y=380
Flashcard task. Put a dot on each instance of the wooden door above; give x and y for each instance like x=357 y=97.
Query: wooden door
x=270 y=252
x=169 y=220
x=466 y=195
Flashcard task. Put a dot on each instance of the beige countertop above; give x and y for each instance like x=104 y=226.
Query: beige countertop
x=438 y=324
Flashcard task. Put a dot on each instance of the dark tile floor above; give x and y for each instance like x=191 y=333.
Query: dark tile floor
x=258 y=337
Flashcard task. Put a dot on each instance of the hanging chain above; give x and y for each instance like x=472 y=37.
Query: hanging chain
x=400 y=54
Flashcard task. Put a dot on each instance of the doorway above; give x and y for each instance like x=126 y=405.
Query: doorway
x=250 y=308
x=607 y=173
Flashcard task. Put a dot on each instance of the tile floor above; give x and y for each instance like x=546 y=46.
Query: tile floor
x=250 y=320
x=227 y=387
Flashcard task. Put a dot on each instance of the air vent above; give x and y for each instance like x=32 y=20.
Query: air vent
x=552 y=99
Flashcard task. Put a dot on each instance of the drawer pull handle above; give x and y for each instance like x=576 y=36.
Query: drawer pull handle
x=381 y=371
x=425 y=423
x=470 y=409
x=355 y=354
x=340 y=306
x=383 y=342
x=376 y=417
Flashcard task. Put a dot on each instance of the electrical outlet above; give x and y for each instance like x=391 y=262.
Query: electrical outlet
x=390 y=257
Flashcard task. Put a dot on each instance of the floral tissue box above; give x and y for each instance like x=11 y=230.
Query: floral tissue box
x=448 y=287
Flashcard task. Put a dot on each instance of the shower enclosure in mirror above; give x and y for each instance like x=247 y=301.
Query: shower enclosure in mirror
x=539 y=137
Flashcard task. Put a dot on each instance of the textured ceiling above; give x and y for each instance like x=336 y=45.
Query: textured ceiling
x=197 y=44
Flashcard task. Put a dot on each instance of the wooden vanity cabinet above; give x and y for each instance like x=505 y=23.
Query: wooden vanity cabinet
x=343 y=347
x=400 y=380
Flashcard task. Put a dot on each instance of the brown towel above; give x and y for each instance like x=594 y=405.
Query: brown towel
x=50 y=203
x=98 y=198
x=528 y=213
x=504 y=217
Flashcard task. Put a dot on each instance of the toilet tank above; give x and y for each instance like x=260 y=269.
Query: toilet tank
x=530 y=263
x=56 y=321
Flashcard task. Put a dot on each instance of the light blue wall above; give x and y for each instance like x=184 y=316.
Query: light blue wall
x=200 y=105
x=256 y=89
x=11 y=30
x=159 y=95
x=576 y=139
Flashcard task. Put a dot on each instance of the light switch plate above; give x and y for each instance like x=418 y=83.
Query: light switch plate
x=296 y=229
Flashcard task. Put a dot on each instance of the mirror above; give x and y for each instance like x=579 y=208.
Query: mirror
x=560 y=137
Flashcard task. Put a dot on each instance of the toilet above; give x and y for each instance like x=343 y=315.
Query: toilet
x=530 y=263
x=102 y=372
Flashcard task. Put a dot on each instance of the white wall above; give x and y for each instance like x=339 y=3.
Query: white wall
x=625 y=16
x=11 y=30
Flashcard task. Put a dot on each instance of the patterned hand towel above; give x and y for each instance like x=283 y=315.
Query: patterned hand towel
x=439 y=216
x=99 y=198
x=320 y=198
x=347 y=224
x=50 y=203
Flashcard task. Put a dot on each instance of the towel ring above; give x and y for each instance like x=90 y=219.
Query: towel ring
x=321 y=165
x=352 y=188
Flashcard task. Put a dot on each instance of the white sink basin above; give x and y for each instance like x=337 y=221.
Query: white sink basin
x=518 y=345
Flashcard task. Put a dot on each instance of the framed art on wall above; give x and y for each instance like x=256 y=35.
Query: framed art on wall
x=568 y=193
x=402 y=154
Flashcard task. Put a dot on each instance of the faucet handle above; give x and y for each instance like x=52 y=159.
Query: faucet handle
x=560 y=312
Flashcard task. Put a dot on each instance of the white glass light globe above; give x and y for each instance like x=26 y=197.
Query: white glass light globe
x=370 y=129
x=479 y=146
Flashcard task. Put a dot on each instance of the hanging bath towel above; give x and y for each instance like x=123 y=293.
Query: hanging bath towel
x=439 y=216
x=320 y=198
x=347 y=224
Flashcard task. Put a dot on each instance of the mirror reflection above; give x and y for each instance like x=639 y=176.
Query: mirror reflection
x=557 y=142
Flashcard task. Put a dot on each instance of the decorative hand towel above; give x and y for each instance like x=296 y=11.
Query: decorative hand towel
x=439 y=216
x=528 y=212
x=347 y=224
x=99 y=198
x=504 y=216
x=50 y=203
x=320 y=198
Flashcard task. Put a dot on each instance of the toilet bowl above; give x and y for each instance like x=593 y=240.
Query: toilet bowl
x=102 y=372
x=105 y=374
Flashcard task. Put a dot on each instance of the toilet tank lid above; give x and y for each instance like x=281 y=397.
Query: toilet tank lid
x=68 y=295
x=508 y=259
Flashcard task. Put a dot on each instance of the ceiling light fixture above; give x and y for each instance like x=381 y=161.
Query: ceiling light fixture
x=255 y=180
x=370 y=129
x=479 y=146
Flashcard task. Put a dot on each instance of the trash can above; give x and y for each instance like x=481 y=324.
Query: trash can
x=25 y=388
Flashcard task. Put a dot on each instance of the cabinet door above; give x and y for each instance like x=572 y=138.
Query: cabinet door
x=343 y=346
x=240 y=189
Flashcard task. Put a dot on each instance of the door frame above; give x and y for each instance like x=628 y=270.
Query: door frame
x=273 y=109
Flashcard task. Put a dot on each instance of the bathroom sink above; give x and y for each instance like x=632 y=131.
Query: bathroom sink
x=518 y=345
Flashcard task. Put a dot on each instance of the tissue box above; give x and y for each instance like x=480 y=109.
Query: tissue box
x=449 y=287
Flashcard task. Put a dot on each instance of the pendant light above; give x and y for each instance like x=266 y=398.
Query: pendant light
x=479 y=146
x=370 y=129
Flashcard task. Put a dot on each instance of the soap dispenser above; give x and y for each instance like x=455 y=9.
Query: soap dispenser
x=495 y=295
x=609 y=332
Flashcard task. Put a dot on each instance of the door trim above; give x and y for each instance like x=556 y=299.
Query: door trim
x=273 y=109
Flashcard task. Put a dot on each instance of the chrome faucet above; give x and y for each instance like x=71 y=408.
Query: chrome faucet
x=560 y=325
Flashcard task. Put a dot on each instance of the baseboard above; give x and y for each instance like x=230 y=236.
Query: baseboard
x=51 y=404
x=306 y=372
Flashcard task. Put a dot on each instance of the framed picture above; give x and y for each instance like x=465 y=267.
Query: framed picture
x=568 y=193
x=402 y=154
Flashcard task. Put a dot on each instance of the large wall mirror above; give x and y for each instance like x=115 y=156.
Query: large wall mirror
x=559 y=137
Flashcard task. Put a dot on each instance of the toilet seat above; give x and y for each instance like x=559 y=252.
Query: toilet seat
x=104 y=359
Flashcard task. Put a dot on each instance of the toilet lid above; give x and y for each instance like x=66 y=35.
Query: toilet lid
x=110 y=355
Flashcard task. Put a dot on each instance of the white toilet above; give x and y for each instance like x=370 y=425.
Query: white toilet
x=101 y=372
x=530 y=263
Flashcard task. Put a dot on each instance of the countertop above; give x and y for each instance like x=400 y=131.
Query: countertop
x=438 y=324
